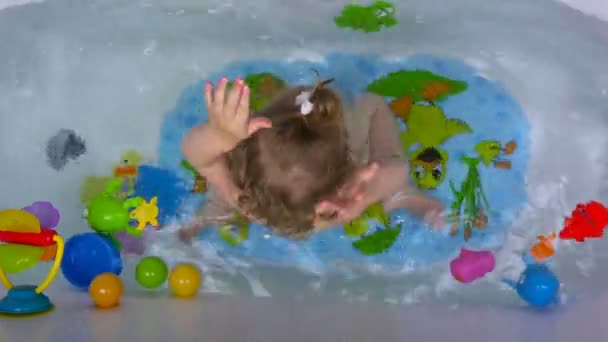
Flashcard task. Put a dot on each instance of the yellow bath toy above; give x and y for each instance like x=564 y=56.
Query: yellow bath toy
x=17 y=220
x=146 y=213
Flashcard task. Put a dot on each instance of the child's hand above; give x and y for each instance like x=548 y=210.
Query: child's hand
x=435 y=214
x=230 y=113
x=351 y=200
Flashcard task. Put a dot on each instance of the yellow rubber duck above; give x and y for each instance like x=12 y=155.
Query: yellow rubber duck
x=146 y=213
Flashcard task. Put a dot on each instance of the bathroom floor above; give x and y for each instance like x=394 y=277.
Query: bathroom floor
x=229 y=318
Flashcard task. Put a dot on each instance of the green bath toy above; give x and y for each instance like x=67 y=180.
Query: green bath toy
x=108 y=214
x=380 y=240
x=415 y=94
x=372 y=18
x=429 y=127
x=15 y=258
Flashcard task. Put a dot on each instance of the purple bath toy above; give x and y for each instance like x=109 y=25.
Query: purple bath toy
x=130 y=244
x=471 y=265
x=46 y=213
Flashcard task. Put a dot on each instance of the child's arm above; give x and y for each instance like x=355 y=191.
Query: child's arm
x=391 y=183
x=213 y=212
x=206 y=145
x=385 y=179
x=204 y=148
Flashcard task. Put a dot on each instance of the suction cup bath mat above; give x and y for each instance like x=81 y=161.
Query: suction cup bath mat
x=467 y=140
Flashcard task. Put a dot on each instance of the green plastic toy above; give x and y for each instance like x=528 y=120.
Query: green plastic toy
x=372 y=18
x=418 y=85
x=415 y=94
x=263 y=86
x=429 y=127
x=15 y=258
x=108 y=214
x=377 y=242
x=470 y=205
x=151 y=272
x=235 y=231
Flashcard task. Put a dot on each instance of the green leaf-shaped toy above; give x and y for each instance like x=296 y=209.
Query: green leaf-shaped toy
x=357 y=227
x=372 y=18
x=378 y=242
x=413 y=83
x=263 y=86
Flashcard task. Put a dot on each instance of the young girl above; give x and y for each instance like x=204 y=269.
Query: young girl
x=302 y=164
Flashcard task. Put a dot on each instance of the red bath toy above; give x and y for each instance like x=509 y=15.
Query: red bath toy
x=587 y=221
x=471 y=265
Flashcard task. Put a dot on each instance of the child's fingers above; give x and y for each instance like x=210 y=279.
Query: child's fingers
x=258 y=123
x=208 y=94
x=369 y=172
x=219 y=96
x=234 y=95
x=242 y=111
x=327 y=206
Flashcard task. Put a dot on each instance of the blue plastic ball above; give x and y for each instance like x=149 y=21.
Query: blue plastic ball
x=88 y=255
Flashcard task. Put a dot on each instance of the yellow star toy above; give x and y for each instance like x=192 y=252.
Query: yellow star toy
x=146 y=213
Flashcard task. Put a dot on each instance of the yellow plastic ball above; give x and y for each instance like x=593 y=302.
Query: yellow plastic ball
x=106 y=290
x=185 y=280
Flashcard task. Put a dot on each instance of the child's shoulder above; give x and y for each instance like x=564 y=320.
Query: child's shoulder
x=362 y=107
x=368 y=102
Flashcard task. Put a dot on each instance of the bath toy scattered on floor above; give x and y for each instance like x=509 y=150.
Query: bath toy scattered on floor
x=88 y=255
x=472 y=196
x=62 y=147
x=185 y=280
x=105 y=290
x=427 y=124
x=537 y=286
x=108 y=214
x=586 y=222
x=200 y=183
x=372 y=18
x=151 y=272
x=544 y=248
x=490 y=151
x=25 y=244
x=164 y=184
x=472 y=265
x=146 y=213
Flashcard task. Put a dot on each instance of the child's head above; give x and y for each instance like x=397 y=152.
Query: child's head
x=285 y=171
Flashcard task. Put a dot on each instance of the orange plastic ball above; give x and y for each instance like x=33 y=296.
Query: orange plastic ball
x=185 y=280
x=105 y=290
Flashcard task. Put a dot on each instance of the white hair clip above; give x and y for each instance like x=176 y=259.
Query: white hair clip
x=303 y=100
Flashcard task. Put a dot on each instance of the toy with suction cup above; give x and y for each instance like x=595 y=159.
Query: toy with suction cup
x=25 y=243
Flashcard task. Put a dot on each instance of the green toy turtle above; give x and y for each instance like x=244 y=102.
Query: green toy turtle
x=108 y=214
x=428 y=127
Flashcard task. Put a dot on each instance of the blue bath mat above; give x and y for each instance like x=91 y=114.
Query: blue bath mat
x=477 y=110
